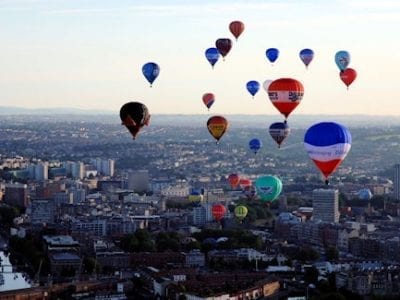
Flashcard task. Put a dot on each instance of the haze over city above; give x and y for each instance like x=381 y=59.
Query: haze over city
x=89 y=55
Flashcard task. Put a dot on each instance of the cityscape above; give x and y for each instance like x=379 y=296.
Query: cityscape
x=89 y=213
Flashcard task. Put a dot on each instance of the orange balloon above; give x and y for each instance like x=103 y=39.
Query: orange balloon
x=285 y=94
x=236 y=28
x=217 y=126
x=234 y=180
x=348 y=76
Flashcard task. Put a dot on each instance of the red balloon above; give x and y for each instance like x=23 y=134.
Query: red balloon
x=245 y=182
x=234 y=180
x=285 y=94
x=223 y=46
x=218 y=211
x=208 y=99
x=348 y=76
x=236 y=28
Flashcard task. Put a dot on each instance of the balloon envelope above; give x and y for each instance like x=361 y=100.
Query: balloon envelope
x=234 y=180
x=342 y=59
x=217 y=126
x=241 y=212
x=195 y=197
x=266 y=84
x=236 y=28
x=134 y=115
x=285 y=94
x=306 y=56
x=150 y=71
x=252 y=87
x=279 y=131
x=272 y=54
x=255 y=145
x=212 y=55
x=244 y=182
x=208 y=99
x=268 y=187
x=348 y=76
x=218 y=211
x=224 y=46
x=327 y=144
x=364 y=194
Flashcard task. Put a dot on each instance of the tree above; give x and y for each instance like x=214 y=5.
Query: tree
x=311 y=275
x=331 y=253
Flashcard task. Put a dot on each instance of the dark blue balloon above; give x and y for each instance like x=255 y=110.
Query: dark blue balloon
x=253 y=87
x=150 y=70
x=255 y=145
x=212 y=55
x=272 y=54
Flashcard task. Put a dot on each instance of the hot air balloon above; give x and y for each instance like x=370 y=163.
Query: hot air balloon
x=279 y=131
x=212 y=55
x=241 y=212
x=208 y=99
x=327 y=144
x=255 y=145
x=234 y=180
x=285 y=94
x=306 y=56
x=217 y=126
x=218 y=211
x=224 y=46
x=150 y=71
x=249 y=192
x=364 y=194
x=348 y=76
x=244 y=182
x=268 y=187
x=342 y=59
x=266 y=84
x=195 y=197
x=272 y=54
x=236 y=28
x=252 y=87
x=134 y=116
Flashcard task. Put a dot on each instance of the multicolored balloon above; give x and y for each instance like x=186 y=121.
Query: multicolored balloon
x=327 y=144
x=241 y=212
x=218 y=211
x=150 y=71
x=208 y=99
x=268 y=187
x=236 y=28
x=342 y=59
x=348 y=76
x=195 y=197
x=217 y=126
x=212 y=55
x=285 y=94
x=279 y=131
x=234 y=180
x=252 y=87
x=223 y=45
x=272 y=54
x=255 y=145
x=134 y=115
x=306 y=56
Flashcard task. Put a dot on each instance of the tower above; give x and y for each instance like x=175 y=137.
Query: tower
x=326 y=205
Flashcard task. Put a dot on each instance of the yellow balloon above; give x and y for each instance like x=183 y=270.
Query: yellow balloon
x=241 y=212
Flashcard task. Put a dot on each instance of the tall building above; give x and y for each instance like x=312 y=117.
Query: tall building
x=326 y=205
x=138 y=181
x=42 y=171
x=396 y=182
x=16 y=194
x=42 y=211
x=78 y=170
x=107 y=167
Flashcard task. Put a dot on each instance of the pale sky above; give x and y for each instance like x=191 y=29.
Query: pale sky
x=89 y=54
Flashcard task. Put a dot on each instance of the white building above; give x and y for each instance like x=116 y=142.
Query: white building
x=326 y=205
x=41 y=171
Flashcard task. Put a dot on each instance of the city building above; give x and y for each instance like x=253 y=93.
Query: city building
x=138 y=181
x=41 y=171
x=396 y=182
x=326 y=205
x=42 y=211
x=16 y=195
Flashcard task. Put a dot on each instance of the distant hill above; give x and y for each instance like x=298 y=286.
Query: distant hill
x=108 y=116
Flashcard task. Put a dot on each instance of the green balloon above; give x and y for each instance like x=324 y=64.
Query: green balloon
x=268 y=187
x=241 y=212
